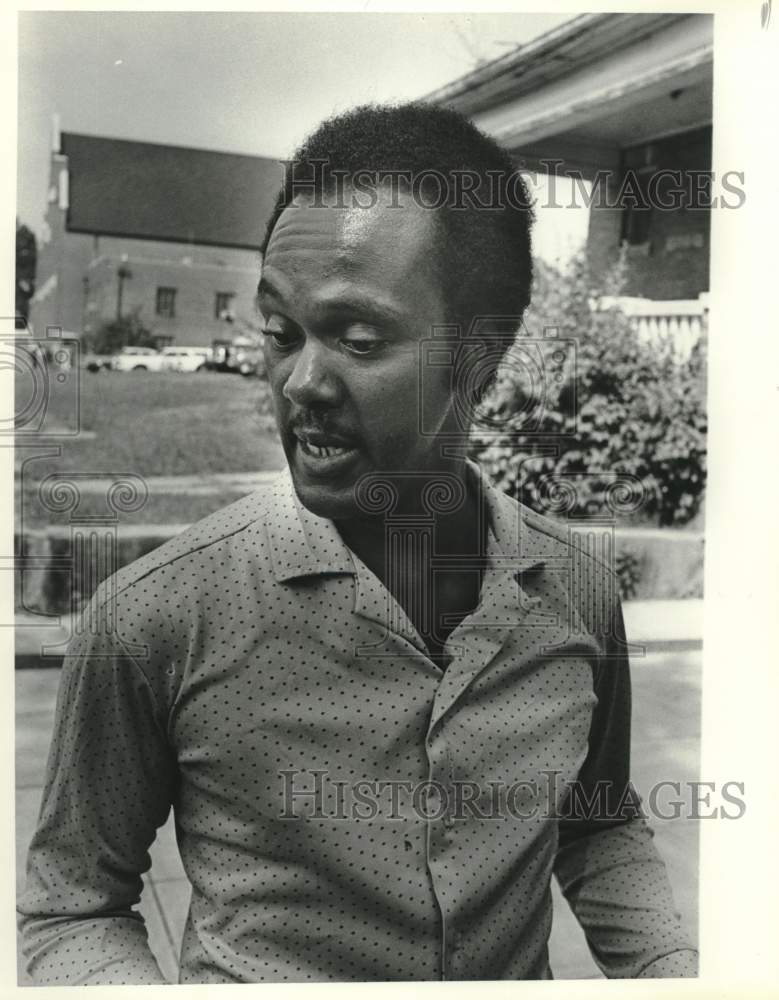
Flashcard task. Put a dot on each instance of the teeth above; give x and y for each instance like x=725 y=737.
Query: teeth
x=319 y=452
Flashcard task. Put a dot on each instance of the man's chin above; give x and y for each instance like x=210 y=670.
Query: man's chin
x=326 y=499
x=326 y=484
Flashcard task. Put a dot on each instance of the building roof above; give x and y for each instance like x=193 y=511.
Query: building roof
x=557 y=53
x=146 y=190
x=592 y=87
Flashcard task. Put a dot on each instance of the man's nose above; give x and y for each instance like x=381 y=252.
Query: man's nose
x=312 y=380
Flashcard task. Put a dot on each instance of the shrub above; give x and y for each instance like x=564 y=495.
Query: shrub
x=616 y=407
x=629 y=569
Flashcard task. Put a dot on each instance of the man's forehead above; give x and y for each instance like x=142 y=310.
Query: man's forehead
x=347 y=221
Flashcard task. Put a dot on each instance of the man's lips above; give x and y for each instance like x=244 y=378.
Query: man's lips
x=324 y=439
x=323 y=451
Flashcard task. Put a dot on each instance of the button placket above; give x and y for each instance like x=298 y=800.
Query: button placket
x=438 y=776
x=452 y=950
x=433 y=803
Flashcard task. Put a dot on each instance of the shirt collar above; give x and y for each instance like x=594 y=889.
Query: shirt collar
x=513 y=544
x=304 y=544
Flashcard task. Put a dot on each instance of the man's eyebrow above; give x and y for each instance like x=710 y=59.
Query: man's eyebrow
x=353 y=303
x=367 y=305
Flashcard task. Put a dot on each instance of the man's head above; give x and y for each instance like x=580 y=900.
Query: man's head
x=392 y=221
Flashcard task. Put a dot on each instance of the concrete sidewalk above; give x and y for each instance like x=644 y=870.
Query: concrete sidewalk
x=664 y=625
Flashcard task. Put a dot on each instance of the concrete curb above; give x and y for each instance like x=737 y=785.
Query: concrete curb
x=663 y=564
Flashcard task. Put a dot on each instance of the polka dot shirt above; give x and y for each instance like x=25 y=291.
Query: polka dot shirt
x=345 y=808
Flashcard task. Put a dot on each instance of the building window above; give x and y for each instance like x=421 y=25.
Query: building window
x=223 y=304
x=636 y=226
x=166 y=302
x=637 y=210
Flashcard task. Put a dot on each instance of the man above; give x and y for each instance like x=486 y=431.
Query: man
x=369 y=692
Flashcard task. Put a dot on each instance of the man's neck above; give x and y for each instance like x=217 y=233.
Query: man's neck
x=461 y=531
x=435 y=598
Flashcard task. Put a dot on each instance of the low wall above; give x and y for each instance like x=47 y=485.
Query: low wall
x=656 y=564
x=653 y=564
x=50 y=579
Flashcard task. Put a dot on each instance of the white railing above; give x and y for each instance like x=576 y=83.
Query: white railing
x=673 y=324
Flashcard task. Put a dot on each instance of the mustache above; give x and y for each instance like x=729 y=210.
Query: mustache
x=311 y=422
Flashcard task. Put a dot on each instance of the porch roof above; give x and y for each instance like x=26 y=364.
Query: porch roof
x=591 y=87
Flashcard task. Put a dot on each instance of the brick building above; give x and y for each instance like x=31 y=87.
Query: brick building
x=601 y=97
x=171 y=231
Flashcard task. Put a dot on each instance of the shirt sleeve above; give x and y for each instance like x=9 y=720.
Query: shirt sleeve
x=109 y=785
x=607 y=864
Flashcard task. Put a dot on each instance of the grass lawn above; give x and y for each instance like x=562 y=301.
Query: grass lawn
x=159 y=424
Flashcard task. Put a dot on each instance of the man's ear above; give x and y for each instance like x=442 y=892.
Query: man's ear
x=479 y=356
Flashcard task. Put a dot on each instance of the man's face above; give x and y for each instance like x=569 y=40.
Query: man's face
x=347 y=294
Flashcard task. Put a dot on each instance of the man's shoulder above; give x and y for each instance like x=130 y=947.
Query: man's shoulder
x=553 y=536
x=238 y=527
x=554 y=540
x=572 y=568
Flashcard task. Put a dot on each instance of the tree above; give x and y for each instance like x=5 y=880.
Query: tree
x=26 y=262
x=129 y=331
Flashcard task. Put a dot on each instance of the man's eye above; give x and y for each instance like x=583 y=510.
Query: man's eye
x=361 y=345
x=282 y=339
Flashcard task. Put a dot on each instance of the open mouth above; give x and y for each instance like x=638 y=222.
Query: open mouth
x=321 y=455
x=317 y=451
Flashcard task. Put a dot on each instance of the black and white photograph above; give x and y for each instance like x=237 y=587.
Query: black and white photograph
x=379 y=434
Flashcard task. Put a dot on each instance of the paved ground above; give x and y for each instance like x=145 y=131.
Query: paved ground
x=666 y=734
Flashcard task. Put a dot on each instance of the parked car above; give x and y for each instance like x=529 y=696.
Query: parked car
x=97 y=362
x=250 y=360
x=187 y=359
x=242 y=355
x=169 y=359
x=139 y=359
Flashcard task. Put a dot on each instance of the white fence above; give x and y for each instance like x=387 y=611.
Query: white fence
x=674 y=325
